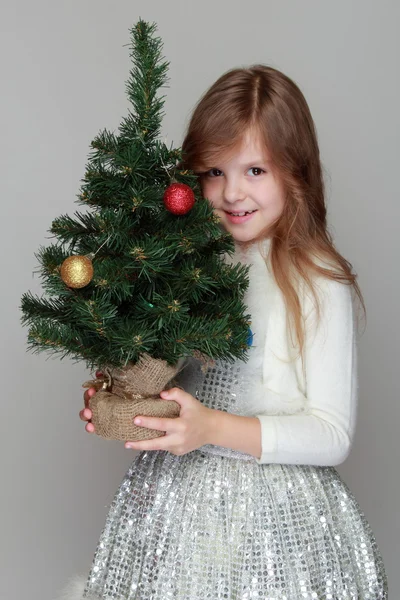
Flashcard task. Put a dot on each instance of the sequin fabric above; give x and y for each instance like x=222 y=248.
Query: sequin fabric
x=214 y=524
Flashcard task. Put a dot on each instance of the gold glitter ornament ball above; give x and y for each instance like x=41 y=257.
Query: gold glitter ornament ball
x=77 y=271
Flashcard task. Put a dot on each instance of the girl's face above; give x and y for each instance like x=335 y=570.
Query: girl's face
x=244 y=183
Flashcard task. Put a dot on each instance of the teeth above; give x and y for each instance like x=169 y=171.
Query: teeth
x=242 y=213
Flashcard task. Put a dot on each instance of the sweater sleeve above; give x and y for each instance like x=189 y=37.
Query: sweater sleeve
x=323 y=435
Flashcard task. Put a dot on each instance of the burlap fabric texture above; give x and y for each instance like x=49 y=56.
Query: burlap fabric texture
x=123 y=393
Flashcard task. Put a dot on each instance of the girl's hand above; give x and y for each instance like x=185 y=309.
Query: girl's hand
x=183 y=434
x=86 y=414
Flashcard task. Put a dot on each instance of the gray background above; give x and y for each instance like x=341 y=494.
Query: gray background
x=64 y=67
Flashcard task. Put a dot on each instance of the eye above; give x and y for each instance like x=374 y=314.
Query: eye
x=213 y=173
x=256 y=171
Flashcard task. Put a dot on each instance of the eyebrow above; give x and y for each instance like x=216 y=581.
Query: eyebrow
x=258 y=159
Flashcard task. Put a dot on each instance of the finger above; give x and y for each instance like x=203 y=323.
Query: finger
x=85 y=414
x=87 y=395
x=81 y=415
x=89 y=427
x=175 y=393
x=160 y=443
x=160 y=424
x=175 y=390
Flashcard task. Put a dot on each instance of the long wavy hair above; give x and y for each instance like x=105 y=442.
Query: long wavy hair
x=265 y=100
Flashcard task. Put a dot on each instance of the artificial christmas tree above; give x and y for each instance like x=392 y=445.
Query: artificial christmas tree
x=138 y=283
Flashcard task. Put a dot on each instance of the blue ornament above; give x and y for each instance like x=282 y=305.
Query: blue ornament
x=249 y=337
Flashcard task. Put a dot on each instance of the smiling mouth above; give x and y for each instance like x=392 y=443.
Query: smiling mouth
x=240 y=214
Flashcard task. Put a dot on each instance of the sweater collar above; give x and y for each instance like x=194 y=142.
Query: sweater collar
x=256 y=253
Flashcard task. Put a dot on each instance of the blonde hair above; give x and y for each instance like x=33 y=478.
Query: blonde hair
x=265 y=100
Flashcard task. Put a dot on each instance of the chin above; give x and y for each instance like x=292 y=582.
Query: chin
x=247 y=236
x=243 y=239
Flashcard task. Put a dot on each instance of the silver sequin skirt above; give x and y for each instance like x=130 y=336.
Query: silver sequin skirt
x=207 y=526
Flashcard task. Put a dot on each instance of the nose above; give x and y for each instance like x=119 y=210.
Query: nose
x=233 y=190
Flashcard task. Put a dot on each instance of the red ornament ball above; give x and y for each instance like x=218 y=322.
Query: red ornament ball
x=179 y=198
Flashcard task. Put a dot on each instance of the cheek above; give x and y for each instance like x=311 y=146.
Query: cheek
x=278 y=197
x=208 y=191
x=273 y=203
x=271 y=197
x=203 y=188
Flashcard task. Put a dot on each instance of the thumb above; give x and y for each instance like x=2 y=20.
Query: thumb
x=174 y=393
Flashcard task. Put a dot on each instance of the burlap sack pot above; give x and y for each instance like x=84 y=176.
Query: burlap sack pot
x=123 y=393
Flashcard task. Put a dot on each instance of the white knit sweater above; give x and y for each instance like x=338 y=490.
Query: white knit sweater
x=307 y=417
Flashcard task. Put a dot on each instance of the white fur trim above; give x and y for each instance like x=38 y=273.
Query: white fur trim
x=74 y=590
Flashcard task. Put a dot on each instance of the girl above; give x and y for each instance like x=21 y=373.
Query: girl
x=240 y=498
